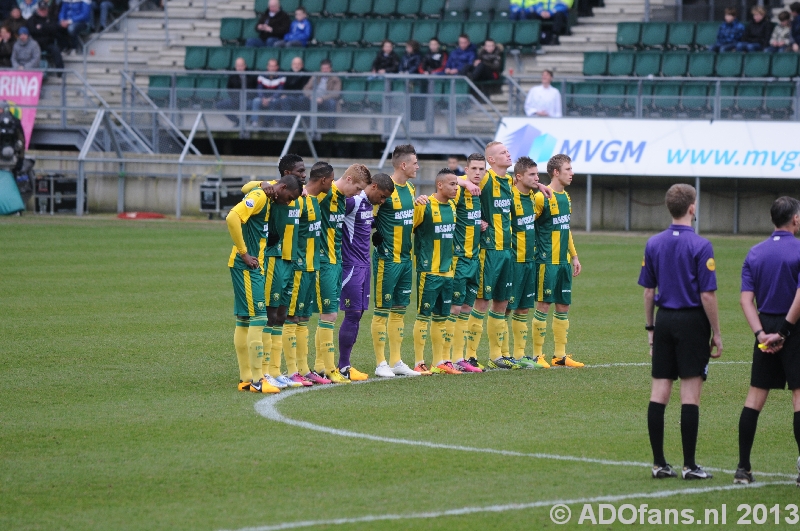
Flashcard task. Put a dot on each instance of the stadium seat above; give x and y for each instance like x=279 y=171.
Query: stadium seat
x=263 y=55
x=502 y=31
x=408 y=8
x=230 y=30
x=249 y=29
x=705 y=34
x=459 y=16
x=184 y=88
x=595 y=63
x=288 y=55
x=476 y=31
x=314 y=57
x=701 y=64
x=483 y=6
x=779 y=98
x=196 y=58
x=341 y=59
x=219 y=58
x=207 y=89
x=681 y=35
x=363 y=58
x=245 y=52
x=432 y=8
x=376 y=88
x=527 y=32
x=694 y=97
x=501 y=9
x=628 y=35
x=375 y=31
x=612 y=96
x=621 y=63
x=584 y=96
x=384 y=8
x=449 y=31
x=458 y=5
x=326 y=30
x=400 y=30
x=360 y=8
x=479 y=16
x=673 y=64
x=424 y=30
x=351 y=31
x=158 y=88
x=261 y=6
x=654 y=35
x=756 y=65
x=314 y=7
x=353 y=91
x=648 y=63
x=336 y=8
x=729 y=64
x=750 y=97
x=727 y=101
x=784 y=65
x=290 y=6
x=666 y=96
x=632 y=90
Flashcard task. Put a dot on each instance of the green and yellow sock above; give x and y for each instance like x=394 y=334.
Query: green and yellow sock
x=539 y=332
x=505 y=348
x=319 y=356
x=327 y=349
x=379 y=320
x=266 y=340
x=438 y=333
x=395 y=332
x=449 y=331
x=474 y=332
x=275 y=352
x=255 y=347
x=519 y=327
x=459 y=337
x=240 y=344
x=290 y=347
x=494 y=330
x=560 y=329
x=420 y=338
x=302 y=347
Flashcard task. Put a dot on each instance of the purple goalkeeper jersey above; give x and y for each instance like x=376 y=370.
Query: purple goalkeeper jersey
x=356 y=231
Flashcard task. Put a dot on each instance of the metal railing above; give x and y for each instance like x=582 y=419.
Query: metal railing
x=710 y=10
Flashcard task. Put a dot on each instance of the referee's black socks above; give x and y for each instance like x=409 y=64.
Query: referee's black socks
x=747 y=434
x=690 y=421
x=797 y=429
x=655 y=427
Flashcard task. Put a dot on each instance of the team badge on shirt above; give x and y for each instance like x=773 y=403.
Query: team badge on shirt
x=249 y=202
x=711 y=265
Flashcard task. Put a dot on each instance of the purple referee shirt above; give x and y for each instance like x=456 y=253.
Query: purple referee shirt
x=356 y=231
x=681 y=265
x=772 y=271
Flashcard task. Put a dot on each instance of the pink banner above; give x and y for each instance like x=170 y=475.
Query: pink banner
x=21 y=90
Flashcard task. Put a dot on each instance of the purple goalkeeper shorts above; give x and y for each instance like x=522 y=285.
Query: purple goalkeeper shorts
x=355 y=288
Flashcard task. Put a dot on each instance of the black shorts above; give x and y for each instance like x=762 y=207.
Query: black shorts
x=774 y=371
x=681 y=344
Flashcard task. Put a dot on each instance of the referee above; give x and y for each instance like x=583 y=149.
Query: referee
x=769 y=285
x=680 y=265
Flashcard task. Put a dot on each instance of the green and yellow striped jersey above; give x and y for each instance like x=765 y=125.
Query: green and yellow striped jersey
x=468 y=224
x=331 y=207
x=523 y=228
x=553 y=236
x=394 y=221
x=496 y=211
x=434 y=228
x=306 y=257
x=283 y=220
x=253 y=210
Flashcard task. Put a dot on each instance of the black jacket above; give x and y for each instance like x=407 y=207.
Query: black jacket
x=410 y=63
x=390 y=63
x=5 y=53
x=433 y=63
x=297 y=81
x=44 y=30
x=280 y=24
x=758 y=32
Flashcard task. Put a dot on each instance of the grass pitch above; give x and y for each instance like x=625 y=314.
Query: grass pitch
x=118 y=407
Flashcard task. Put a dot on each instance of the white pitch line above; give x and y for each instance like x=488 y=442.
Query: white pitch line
x=508 y=507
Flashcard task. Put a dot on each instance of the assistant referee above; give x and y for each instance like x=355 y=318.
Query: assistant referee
x=680 y=265
x=770 y=282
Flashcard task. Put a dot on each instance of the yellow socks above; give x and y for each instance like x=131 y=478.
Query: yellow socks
x=519 y=327
x=539 y=331
x=240 y=344
x=266 y=340
x=438 y=333
x=505 y=348
x=449 y=330
x=275 y=352
x=379 y=320
x=459 y=337
x=290 y=347
x=420 y=338
x=560 y=328
x=319 y=357
x=474 y=332
x=255 y=348
x=302 y=347
x=494 y=329
x=325 y=342
x=395 y=334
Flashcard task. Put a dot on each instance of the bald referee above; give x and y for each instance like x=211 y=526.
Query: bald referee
x=770 y=282
x=680 y=265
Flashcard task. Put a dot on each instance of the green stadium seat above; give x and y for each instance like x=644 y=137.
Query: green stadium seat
x=694 y=96
x=261 y=6
x=621 y=63
x=784 y=65
x=674 y=64
x=314 y=57
x=341 y=59
x=628 y=35
x=408 y=8
x=314 y=7
x=705 y=34
x=245 y=52
x=249 y=29
x=458 y=5
x=632 y=91
x=400 y=30
x=351 y=31
x=666 y=96
x=481 y=5
x=219 y=58
x=158 y=88
x=230 y=30
x=288 y=55
x=612 y=95
x=375 y=31
x=263 y=55
x=681 y=35
x=384 y=8
x=527 y=32
x=336 y=8
x=184 y=88
x=424 y=30
x=432 y=8
x=449 y=31
x=479 y=16
x=750 y=97
x=727 y=91
x=584 y=95
x=326 y=30
x=502 y=31
x=476 y=31
x=501 y=9
x=460 y=16
x=778 y=100
x=207 y=89
x=729 y=64
x=363 y=59
x=756 y=65
x=353 y=89
x=595 y=63
x=360 y=8
x=701 y=64
x=290 y=6
x=647 y=63
x=654 y=35
x=376 y=88
x=196 y=57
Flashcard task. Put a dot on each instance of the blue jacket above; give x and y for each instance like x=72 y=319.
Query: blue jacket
x=796 y=29
x=76 y=11
x=299 y=31
x=553 y=6
x=461 y=58
x=730 y=33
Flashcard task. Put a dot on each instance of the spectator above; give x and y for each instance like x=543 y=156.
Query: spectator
x=75 y=16
x=45 y=30
x=453 y=164
x=435 y=60
x=26 y=54
x=487 y=65
x=795 y=9
x=730 y=32
x=299 y=32
x=386 y=62
x=409 y=63
x=293 y=100
x=27 y=8
x=781 y=39
x=269 y=87
x=326 y=89
x=234 y=86
x=15 y=21
x=544 y=99
x=461 y=58
x=555 y=11
x=520 y=9
x=756 y=34
x=5 y=8
x=104 y=7
x=6 y=47
x=271 y=26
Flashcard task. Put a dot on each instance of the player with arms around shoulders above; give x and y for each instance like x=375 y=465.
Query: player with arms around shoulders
x=678 y=275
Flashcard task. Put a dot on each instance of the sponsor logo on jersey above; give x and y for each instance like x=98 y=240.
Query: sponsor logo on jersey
x=475 y=214
x=503 y=203
x=444 y=228
x=250 y=203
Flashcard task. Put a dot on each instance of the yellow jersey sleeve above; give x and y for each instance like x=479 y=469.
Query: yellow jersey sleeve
x=419 y=214
x=252 y=204
x=572 y=250
x=484 y=180
x=249 y=186
x=235 y=229
x=538 y=203
x=458 y=192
